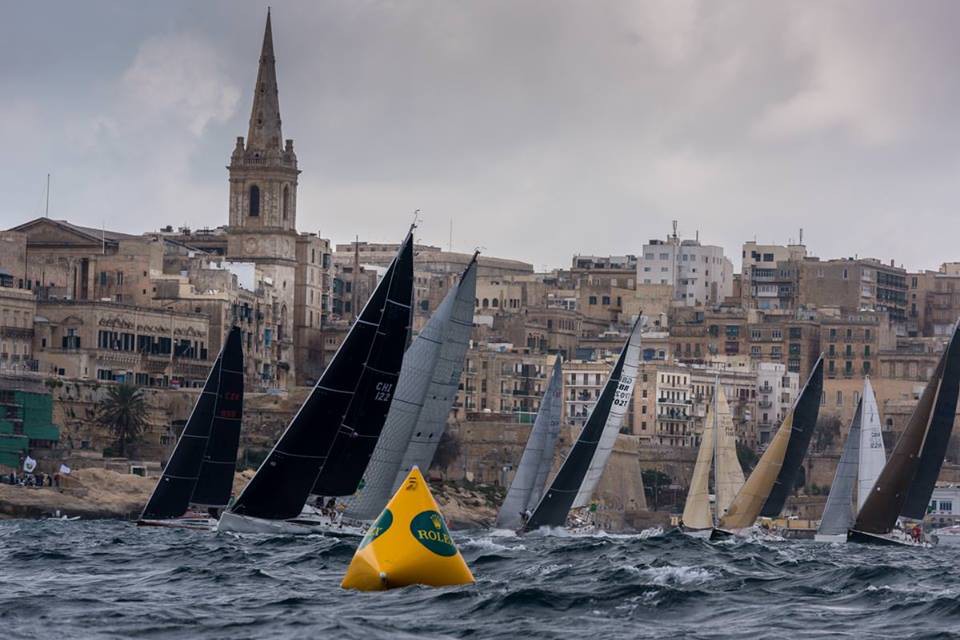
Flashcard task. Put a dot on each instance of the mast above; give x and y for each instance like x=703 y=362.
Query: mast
x=46 y=208
x=716 y=440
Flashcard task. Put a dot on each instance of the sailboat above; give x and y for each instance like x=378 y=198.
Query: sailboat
x=327 y=445
x=905 y=484
x=718 y=449
x=199 y=475
x=531 y=477
x=427 y=388
x=574 y=484
x=860 y=463
x=773 y=479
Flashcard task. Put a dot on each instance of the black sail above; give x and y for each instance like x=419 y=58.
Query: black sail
x=171 y=497
x=805 y=413
x=357 y=435
x=938 y=434
x=219 y=464
x=283 y=482
x=558 y=499
x=882 y=507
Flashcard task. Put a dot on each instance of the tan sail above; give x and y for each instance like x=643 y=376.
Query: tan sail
x=696 y=512
x=746 y=506
x=729 y=473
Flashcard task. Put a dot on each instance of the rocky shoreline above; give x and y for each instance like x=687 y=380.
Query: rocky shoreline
x=103 y=494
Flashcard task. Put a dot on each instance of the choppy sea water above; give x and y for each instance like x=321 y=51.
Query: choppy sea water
x=113 y=580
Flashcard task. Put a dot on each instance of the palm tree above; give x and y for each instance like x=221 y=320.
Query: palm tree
x=124 y=411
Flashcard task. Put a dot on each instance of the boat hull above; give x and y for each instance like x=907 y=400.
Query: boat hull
x=303 y=525
x=830 y=537
x=896 y=539
x=701 y=534
x=199 y=524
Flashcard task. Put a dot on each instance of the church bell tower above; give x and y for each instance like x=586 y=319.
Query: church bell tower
x=263 y=205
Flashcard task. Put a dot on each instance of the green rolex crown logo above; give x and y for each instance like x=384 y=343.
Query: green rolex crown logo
x=429 y=529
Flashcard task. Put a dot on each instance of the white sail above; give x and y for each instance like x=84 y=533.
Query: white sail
x=729 y=474
x=696 y=511
x=443 y=383
x=872 y=454
x=419 y=363
x=611 y=429
x=537 y=458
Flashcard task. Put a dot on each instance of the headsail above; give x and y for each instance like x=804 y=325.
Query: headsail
x=416 y=375
x=696 y=511
x=805 y=411
x=746 y=506
x=872 y=453
x=838 y=513
x=283 y=482
x=531 y=476
x=214 y=420
x=728 y=474
x=444 y=383
x=606 y=415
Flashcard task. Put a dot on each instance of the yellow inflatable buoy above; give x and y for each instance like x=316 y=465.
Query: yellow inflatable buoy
x=408 y=544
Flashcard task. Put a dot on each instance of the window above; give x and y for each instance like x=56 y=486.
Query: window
x=254 y=201
x=593 y=300
x=839 y=398
x=286 y=201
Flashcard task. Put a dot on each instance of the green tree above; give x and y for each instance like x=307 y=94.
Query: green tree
x=124 y=412
x=826 y=432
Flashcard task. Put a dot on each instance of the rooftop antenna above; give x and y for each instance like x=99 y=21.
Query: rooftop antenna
x=674 y=229
x=46 y=209
x=801 y=235
x=356 y=276
x=450 y=244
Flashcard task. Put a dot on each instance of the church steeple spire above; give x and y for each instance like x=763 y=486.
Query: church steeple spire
x=264 y=133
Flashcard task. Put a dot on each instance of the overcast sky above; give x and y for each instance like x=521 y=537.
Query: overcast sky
x=540 y=128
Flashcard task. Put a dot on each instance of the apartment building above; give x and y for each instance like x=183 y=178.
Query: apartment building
x=699 y=274
x=770 y=275
x=854 y=285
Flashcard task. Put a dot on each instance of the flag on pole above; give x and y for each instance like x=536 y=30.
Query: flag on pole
x=64 y=470
x=29 y=464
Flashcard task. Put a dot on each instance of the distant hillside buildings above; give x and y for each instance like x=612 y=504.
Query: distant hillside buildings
x=93 y=304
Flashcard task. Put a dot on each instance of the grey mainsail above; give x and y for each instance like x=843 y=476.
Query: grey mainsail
x=537 y=458
x=419 y=365
x=838 y=514
x=443 y=383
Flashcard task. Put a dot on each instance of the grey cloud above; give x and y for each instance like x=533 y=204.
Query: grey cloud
x=540 y=128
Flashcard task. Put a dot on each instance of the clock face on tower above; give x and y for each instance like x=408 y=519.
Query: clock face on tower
x=250 y=246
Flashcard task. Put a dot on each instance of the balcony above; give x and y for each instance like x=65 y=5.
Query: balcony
x=764 y=404
x=765 y=388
